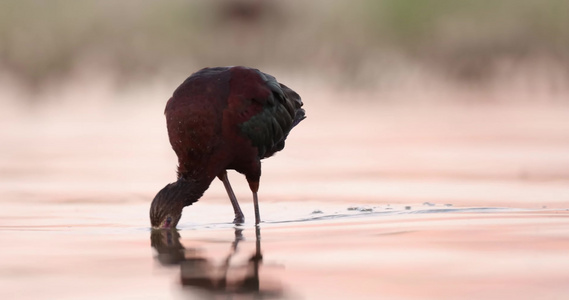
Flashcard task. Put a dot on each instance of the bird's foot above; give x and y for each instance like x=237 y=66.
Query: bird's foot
x=239 y=220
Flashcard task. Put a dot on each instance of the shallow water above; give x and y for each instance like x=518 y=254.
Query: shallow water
x=314 y=251
x=393 y=204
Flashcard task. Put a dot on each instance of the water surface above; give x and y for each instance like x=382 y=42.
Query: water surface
x=446 y=203
x=310 y=251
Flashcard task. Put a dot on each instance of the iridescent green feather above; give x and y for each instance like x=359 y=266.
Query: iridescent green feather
x=268 y=129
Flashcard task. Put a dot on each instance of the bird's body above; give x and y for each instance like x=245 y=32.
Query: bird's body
x=220 y=119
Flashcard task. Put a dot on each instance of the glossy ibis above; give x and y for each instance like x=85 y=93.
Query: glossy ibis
x=220 y=119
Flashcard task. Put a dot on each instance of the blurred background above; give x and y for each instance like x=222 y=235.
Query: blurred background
x=411 y=90
x=360 y=44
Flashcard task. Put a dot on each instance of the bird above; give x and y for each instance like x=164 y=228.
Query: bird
x=219 y=119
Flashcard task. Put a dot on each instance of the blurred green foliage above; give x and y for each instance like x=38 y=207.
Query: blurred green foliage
x=42 y=41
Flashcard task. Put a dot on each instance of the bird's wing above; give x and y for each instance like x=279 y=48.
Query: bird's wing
x=279 y=113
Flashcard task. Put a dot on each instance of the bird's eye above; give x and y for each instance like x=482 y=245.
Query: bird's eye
x=168 y=221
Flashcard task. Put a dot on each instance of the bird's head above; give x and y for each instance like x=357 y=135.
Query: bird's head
x=166 y=208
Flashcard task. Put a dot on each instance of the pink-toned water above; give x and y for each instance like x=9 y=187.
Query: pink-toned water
x=392 y=201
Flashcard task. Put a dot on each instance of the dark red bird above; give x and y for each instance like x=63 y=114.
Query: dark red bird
x=220 y=119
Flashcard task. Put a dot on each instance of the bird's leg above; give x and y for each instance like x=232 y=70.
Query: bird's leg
x=239 y=217
x=254 y=185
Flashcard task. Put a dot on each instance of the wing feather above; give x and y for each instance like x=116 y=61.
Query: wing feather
x=281 y=111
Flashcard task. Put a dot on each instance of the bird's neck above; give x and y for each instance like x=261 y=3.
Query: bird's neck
x=192 y=189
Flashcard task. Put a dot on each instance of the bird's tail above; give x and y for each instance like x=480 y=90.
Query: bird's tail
x=298 y=116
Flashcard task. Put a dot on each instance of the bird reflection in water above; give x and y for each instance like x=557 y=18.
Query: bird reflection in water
x=199 y=271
